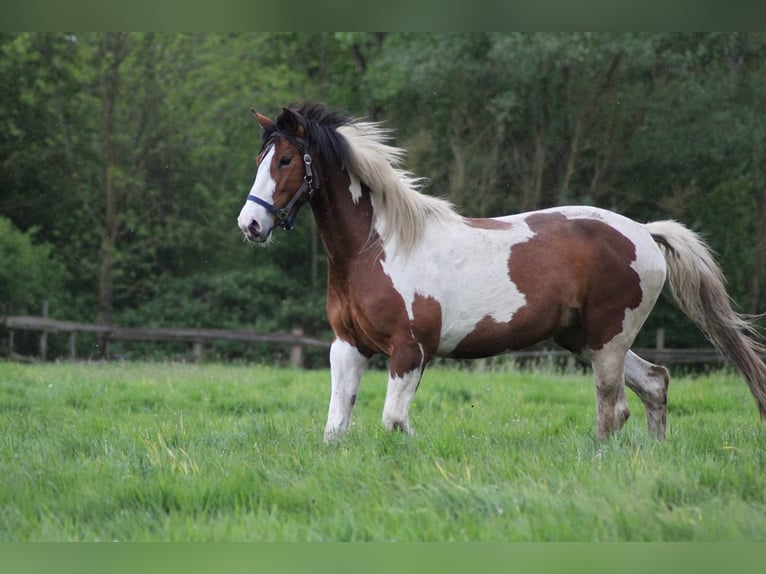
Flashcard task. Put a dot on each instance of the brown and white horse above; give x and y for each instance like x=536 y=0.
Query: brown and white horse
x=410 y=278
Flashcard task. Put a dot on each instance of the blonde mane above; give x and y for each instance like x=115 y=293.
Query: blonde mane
x=400 y=209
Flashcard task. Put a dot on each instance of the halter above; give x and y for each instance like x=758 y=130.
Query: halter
x=282 y=215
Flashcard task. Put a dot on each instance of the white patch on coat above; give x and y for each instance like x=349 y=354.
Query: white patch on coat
x=355 y=187
x=465 y=269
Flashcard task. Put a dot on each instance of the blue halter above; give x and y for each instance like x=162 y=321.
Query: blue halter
x=283 y=219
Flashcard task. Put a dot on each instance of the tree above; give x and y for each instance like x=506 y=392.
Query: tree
x=699 y=155
x=520 y=121
x=140 y=184
x=28 y=272
x=130 y=155
x=648 y=124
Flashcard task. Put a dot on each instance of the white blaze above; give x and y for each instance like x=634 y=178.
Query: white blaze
x=263 y=187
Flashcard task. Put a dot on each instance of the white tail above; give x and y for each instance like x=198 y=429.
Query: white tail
x=698 y=287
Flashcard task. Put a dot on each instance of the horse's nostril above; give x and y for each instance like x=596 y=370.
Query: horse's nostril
x=254 y=230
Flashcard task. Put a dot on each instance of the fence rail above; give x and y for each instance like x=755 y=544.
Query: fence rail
x=296 y=340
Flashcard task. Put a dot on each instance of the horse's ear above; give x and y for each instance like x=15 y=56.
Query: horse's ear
x=263 y=120
x=292 y=122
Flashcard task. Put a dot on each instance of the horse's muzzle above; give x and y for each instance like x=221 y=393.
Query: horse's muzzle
x=254 y=233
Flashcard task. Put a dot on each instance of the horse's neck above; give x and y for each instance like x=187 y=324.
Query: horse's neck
x=343 y=217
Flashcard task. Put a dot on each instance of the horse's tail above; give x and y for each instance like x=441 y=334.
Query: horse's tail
x=698 y=287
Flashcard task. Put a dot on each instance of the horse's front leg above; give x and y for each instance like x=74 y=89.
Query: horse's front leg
x=405 y=371
x=346 y=366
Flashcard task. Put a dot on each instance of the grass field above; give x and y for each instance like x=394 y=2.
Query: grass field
x=149 y=452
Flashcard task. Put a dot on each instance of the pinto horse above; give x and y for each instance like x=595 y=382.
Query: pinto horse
x=410 y=278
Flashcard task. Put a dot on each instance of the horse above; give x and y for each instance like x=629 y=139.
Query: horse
x=410 y=278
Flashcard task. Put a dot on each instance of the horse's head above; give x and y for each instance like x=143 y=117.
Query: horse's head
x=284 y=179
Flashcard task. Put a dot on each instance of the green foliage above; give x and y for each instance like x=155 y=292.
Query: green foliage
x=168 y=452
x=260 y=299
x=655 y=126
x=29 y=273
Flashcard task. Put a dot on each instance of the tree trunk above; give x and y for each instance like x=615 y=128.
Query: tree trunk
x=112 y=47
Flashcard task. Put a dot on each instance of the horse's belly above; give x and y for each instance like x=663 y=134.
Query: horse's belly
x=484 y=335
x=486 y=324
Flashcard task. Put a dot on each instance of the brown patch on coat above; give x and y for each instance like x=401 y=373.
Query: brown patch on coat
x=357 y=286
x=491 y=337
x=427 y=322
x=485 y=223
x=370 y=313
x=363 y=307
x=578 y=282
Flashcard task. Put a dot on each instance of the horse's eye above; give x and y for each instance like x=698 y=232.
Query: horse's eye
x=285 y=161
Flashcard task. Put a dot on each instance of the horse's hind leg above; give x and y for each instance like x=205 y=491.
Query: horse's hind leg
x=612 y=408
x=608 y=369
x=650 y=383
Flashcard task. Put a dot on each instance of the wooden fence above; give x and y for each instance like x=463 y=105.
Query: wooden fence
x=295 y=340
x=197 y=337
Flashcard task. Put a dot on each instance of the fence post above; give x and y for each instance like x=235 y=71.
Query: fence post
x=197 y=351
x=296 y=352
x=73 y=345
x=660 y=339
x=570 y=368
x=44 y=334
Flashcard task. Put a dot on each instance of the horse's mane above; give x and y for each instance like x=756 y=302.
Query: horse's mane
x=400 y=208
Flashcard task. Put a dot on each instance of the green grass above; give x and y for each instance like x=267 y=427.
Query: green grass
x=138 y=452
